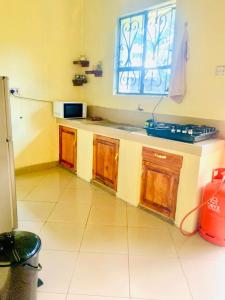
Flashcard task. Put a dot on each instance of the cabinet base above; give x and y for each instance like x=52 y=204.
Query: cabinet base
x=156 y=214
x=104 y=187
x=71 y=170
x=67 y=167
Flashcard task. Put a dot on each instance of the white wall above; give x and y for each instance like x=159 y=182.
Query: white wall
x=84 y=154
x=206 y=92
x=39 y=41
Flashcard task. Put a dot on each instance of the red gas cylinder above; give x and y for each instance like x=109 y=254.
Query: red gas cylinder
x=212 y=214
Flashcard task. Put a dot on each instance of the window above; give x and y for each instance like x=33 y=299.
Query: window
x=144 y=57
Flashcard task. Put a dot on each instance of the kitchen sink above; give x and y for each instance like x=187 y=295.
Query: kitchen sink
x=124 y=127
x=130 y=128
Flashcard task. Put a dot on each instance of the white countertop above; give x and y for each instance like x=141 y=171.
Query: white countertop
x=140 y=136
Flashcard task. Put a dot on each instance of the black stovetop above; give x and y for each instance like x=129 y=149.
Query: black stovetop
x=188 y=133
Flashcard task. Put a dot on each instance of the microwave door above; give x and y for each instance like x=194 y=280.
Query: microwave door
x=72 y=110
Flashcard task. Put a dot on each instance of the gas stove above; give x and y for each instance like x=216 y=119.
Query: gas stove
x=188 y=133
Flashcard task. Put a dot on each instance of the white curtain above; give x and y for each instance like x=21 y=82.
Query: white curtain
x=178 y=83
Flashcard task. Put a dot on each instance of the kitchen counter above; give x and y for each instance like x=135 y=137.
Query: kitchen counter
x=139 y=135
x=199 y=160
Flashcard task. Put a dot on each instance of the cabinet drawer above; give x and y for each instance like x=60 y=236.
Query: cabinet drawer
x=162 y=158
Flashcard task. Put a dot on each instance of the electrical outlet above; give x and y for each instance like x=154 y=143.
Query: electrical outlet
x=140 y=107
x=220 y=70
x=14 y=91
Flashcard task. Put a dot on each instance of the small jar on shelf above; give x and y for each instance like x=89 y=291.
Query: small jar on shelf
x=79 y=80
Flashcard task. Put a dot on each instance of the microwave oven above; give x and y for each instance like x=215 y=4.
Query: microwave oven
x=69 y=110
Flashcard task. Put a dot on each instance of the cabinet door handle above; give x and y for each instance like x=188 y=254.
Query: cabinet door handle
x=116 y=156
x=160 y=156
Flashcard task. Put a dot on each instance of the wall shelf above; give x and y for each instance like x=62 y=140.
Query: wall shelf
x=96 y=73
x=81 y=79
x=83 y=63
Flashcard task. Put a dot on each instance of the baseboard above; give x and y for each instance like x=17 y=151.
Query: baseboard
x=156 y=214
x=103 y=187
x=35 y=168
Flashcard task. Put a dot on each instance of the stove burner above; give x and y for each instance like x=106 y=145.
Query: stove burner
x=188 y=133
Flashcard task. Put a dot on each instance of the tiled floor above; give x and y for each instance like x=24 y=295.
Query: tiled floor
x=95 y=247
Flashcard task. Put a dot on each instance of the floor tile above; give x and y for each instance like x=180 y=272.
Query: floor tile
x=57 y=180
x=154 y=242
x=102 y=275
x=101 y=272
x=105 y=239
x=60 y=171
x=23 y=191
x=31 y=226
x=206 y=278
x=161 y=279
x=84 y=297
x=178 y=238
x=70 y=213
x=196 y=247
x=30 y=179
x=105 y=215
x=82 y=196
x=104 y=198
x=49 y=183
x=78 y=183
x=44 y=194
x=62 y=236
x=34 y=211
x=58 y=267
x=50 y=296
x=139 y=218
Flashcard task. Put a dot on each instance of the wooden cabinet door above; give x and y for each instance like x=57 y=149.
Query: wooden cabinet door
x=67 y=147
x=159 y=189
x=105 y=160
x=160 y=180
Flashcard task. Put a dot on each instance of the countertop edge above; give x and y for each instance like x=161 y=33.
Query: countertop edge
x=203 y=148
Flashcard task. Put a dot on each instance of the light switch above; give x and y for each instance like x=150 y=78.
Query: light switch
x=220 y=70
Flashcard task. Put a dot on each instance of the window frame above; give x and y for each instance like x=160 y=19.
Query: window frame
x=141 y=68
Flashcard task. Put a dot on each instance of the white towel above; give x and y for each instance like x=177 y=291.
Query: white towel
x=177 y=89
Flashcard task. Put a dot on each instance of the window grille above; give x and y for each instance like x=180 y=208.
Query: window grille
x=145 y=45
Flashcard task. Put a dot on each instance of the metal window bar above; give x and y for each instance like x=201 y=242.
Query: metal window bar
x=142 y=70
